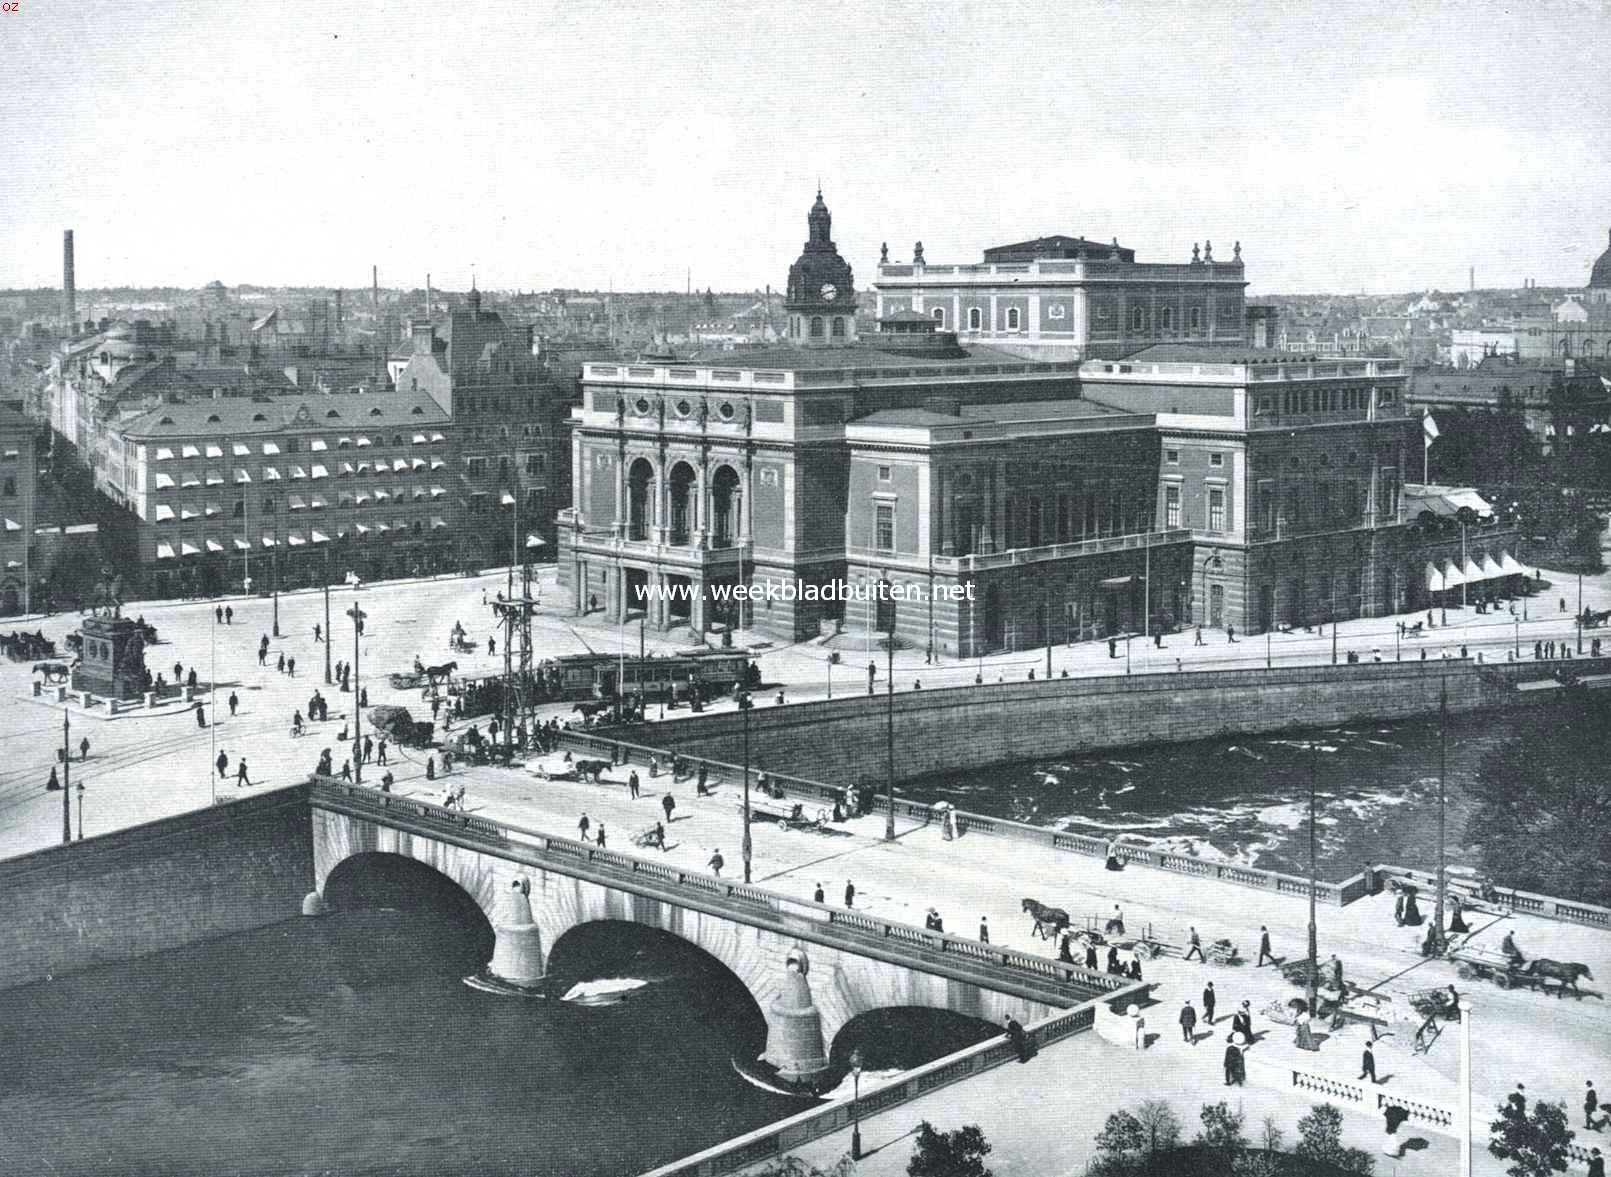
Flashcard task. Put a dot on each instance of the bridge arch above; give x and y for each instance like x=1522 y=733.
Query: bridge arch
x=387 y=879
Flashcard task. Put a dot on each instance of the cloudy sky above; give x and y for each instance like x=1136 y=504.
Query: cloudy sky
x=1348 y=147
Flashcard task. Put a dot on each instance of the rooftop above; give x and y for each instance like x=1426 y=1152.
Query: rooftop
x=284 y=414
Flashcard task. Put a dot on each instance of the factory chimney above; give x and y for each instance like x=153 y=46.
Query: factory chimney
x=69 y=294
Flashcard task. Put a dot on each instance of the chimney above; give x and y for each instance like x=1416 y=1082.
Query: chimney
x=374 y=296
x=338 y=314
x=423 y=336
x=1473 y=279
x=69 y=294
x=427 y=296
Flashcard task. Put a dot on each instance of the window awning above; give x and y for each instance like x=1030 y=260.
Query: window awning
x=364 y=467
x=400 y=464
x=189 y=451
x=296 y=503
x=362 y=442
x=190 y=480
x=438 y=464
x=508 y=500
x=187 y=513
x=164 y=482
x=343 y=442
x=242 y=546
x=1470 y=500
x=1114 y=582
x=240 y=450
x=319 y=537
x=317 y=502
x=242 y=476
x=298 y=473
x=437 y=522
x=270 y=474
x=346 y=467
x=215 y=478
x=214 y=546
x=419 y=493
x=382 y=495
x=419 y=439
x=164 y=512
x=317 y=445
x=382 y=528
x=437 y=437
x=270 y=542
x=186 y=549
x=215 y=451
x=535 y=541
x=165 y=551
x=164 y=454
x=1434 y=579
x=1508 y=564
x=363 y=497
x=13 y=525
x=270 y=448
x=210 y=510
x=437 y=492
x=320 y=472
x=1452 y=576
x=417 y=464
x=363 y=529
x=295 y=539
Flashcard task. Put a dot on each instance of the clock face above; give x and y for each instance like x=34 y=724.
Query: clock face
x=829 y=292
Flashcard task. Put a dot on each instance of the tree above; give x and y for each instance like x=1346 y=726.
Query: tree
x=795 y=1167
x=1159 y=1123
x=1222 y=1129
x=1122 y=1136
x=958 y=1153
x=1320 y=1139
x=1534 y=1143
x=1532 y=811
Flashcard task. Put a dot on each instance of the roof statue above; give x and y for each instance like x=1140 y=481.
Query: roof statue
x=917 y=254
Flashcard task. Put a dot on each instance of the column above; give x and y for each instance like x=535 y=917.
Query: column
x=662 y=501
x=619 y=526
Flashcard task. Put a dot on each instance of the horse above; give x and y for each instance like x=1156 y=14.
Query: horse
x=1049 y=921
x=53 y=671
x=433 y=673
x=589 y=710
x=591 y=770
x=1565 y=971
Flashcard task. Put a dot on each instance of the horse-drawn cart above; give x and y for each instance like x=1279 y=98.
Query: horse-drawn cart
x=790 y=816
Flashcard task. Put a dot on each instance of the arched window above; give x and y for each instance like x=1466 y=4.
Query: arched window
x=11 y=488
x=838 y=326
x=939 y=316
x=816 y=326
x=1196 y=318
x=975 y=318
x=1166 y=318
x=1138 y=318
x=1012 y=318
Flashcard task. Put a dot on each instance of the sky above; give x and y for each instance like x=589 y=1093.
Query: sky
x=1348 y=147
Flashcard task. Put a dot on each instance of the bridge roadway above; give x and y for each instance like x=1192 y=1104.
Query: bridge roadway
x=1551 y=1044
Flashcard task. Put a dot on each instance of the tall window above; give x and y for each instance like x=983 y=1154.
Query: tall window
x=1012 y=318
x=1195 y=317
x=838 y=327
x=1138 y=318
x=938 y=314
x=1216 y=509
x=1171 y=506
x=884 y=519
x=975 y=318
x=816 y=327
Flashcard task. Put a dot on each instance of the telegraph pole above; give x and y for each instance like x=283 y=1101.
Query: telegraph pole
x=889 y=817
x=67 y=771
x=1443 y=772
x=1314 y=943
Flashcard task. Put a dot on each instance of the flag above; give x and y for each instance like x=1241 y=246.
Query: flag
x=1430 y=428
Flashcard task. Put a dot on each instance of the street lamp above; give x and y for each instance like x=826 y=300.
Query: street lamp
x=745 y=703
x=889 y=816
x=1314 y=946
x=67 y=772
x=1443 y=768
x=80 y=811
x=855 y=1104
x=357 y=615
x=327 y=674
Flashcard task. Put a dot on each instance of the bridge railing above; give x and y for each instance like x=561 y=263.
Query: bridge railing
x=1333 y=894
x=763 y=1143
x=857 y=931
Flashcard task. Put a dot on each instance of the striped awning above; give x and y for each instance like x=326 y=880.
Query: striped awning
x=188 y=549
x=1508 y=564
x=214 y=546
x=189 y=451
x=1434 y=579
x=1452 y=576
x=165 y=551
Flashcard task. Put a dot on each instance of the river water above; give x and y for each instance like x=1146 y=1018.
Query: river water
x=1245 y=799
x=351 y=1045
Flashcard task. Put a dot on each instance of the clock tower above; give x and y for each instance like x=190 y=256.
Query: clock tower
x=821 y=295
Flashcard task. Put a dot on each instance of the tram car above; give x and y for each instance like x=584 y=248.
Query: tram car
x=672 y=678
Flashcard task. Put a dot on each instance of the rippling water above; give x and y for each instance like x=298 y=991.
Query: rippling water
x=1245 y=800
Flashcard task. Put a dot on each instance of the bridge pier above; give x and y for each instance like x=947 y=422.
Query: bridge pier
x=794 y=1043
x=517 y=952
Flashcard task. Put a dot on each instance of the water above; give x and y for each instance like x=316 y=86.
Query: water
x=351 y=1045
x=1245 y=799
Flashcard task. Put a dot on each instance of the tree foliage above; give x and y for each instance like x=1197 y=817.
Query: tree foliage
x=1159 y=1124
x=1121 y=1137
x=1536 y=815
x=1534 y=1143
x=957 y=1153
x=1222 y=1128
x=1320 y=1139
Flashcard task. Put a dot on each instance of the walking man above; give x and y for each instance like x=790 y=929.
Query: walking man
x=601 y=836
x=850 y=893
x=984 y=929
x=632 y=784
x=582 y=827
x=1209 y=998
x=279 y=664
x=83 y=748
x=1195 y=946
x=290 y=667
x=240 y=775
x=223 y=764
x=1188 y=1023
x=1591 y=1104
x=218 y=615
x=318 y=633
x=668 y=803
x=1264 y=947
x=716 y=863
x=1367 y=1065
x=1199 y=638
x=234 y=702
x=381 y=756
x=229 y=615
x=369 y=750
x=1233 y=1062
x=817 y=896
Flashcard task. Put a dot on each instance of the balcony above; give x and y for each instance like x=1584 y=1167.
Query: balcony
x=984 y=561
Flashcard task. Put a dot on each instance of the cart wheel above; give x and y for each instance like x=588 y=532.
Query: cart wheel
x=1503 y=980
x=1465 y=972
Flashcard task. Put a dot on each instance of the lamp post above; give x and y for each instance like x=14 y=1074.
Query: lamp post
x=327 y=675
x=855 y=1105
x=1580 y=614
x=274 y=560
x=1314 y=944
x=67 y=772
x=1267 y=647
x=1443 y=768
x=80 y=811
x=1516 y=621
x=357 y=615
x=889 y=694
x=744 y=705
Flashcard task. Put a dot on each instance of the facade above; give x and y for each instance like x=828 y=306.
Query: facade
x=19 y=556
x=290 y=492
x=1065 y=297
x=512 y=415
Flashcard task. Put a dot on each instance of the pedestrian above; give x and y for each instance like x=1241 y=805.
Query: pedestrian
x=430 y=768
x=632 y=784
x=201 y=715
x=1188 y=1023
x=53 y=784
x=368 y=752
x=218 y=615
x=241 y=777
x=380 y=757
x=850 y=888
x=280 y=663
x=1020 y=1040
x=817 y=895
x=1199 y=637
x=1591 y=1104
x=83 y=748
x=1398 y=910
x=1209 y=998
x=600 y=836
x=1134 y=971
x=290 y=667
x=1367 y=1065
x=1337 y=975
x=492 y=646
x=386 y=782
x=318 y=634
x=1090 y=955
x=346 y=770
x=178 y=673
x=654 y=768
x=1195 y=945
x=1393 y=1118
x=234 y=702
x=582 y=827
x=190 y=679
x=668 y=803
x=984 y=929
x=1264 y=947
x=1233 y=1062
x=1230 y=634
x=716 y=863
x=1113 y=960
x=704 y=773
x=229 y=615
x=363 y=697
x=223 y=763
x=1596 y=1163
x=1115 y=924
x=1242 y=1022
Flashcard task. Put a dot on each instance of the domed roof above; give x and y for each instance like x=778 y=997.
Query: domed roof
x=819 y=266
x=1600 y=276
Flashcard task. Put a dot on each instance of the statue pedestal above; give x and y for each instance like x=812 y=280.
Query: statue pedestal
x=113 y=659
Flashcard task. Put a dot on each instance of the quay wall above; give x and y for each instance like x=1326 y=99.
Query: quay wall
x=210 y=872
x=843 y=741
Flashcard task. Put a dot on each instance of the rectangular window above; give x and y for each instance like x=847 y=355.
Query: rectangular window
x=884 y=539
x=1216 y=460
x=1034 y=522
x=883 y=474
x=1172 y=457
x=1216 y=509
x=1266 y=494
x=1171 y=506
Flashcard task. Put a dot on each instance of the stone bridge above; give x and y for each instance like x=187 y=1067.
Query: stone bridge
x=810 y=968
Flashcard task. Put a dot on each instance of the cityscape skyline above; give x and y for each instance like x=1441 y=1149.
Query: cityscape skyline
x=293 y=149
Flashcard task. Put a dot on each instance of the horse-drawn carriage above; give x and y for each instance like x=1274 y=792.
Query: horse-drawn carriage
x=400 y=727
x=1513 y=972
x=788 y=815
x=21 y=646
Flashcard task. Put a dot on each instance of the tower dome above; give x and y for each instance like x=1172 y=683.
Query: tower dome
x=1600 y=275
x=820 y=297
